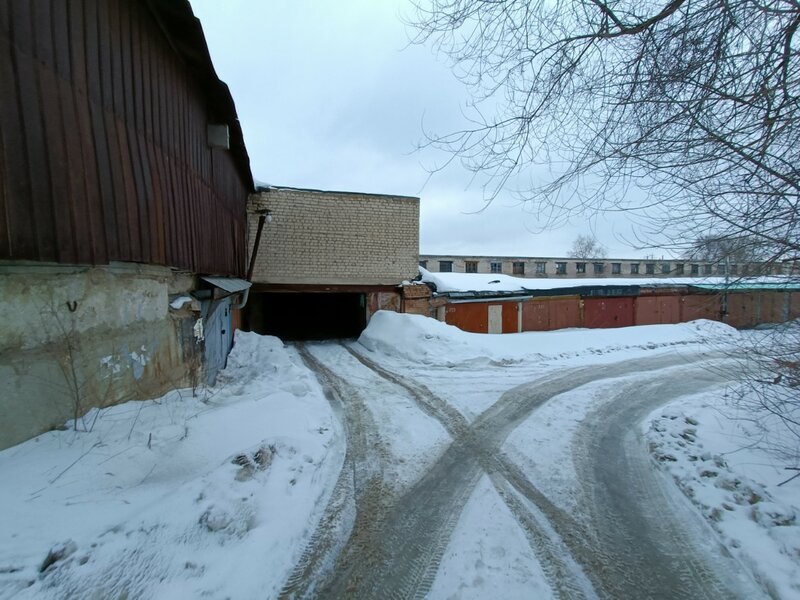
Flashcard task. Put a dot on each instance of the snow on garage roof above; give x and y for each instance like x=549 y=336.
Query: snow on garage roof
x=482 y=283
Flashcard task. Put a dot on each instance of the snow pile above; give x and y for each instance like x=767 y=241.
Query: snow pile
x=422 y=339
x=734 y=484
x=179 y=497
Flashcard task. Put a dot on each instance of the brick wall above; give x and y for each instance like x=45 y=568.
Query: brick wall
x=333 y=238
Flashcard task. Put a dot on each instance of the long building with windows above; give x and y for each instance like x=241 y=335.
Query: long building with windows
x=536 y=266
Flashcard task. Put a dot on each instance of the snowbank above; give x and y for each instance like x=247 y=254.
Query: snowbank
x=179 y=497
x=418 y=338
x=714 y=455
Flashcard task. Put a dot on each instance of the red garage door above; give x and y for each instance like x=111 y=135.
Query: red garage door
x=546 y=314
x=468 y=317
x=656 y=310
x=608 y=312
x=700 y=306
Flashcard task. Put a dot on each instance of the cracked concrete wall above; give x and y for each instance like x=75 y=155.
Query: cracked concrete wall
x=74 y=338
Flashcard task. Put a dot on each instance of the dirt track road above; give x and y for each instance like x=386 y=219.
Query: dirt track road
x=631 y=540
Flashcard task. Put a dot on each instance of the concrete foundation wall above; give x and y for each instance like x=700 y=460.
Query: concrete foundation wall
x=76 y=338
x=335 y=238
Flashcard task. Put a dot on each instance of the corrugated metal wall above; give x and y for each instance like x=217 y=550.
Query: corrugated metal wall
x=103 y=134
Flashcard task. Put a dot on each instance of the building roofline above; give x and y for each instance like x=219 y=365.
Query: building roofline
x=268 y=188
x=184 y=32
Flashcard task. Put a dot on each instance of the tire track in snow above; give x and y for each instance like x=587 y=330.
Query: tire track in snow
x=484 y=438
x=358 y=497
x=563 y=577
x=397 y=556
x=654 y=543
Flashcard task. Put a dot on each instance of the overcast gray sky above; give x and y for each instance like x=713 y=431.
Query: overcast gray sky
x=332 y=96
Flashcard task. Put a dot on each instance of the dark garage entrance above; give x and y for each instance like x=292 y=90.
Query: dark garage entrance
x=306 y=316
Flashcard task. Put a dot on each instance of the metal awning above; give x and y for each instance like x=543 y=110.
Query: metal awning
x=231 y=285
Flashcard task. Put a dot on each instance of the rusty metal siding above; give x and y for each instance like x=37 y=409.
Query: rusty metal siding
x=547 y=314
x=657 y=310
x=700 y=306
x=536 y=315
x=511 y=317
x=769 y=307
x=102 y=142
x=794 y=305
x=566 y=312
x=473 y=317
x=608 y=312
x=742 y=308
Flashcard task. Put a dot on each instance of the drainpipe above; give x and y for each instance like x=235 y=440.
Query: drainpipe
x=724 y=307
x=264 y=216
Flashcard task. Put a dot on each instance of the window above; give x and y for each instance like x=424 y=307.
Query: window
x=423 y=264
x=706 y=269
x=679 y=269
x=580 y=267
x=561 y=268
x=445 y=266
x=721 y=270
x=518 y=268
x=634 y=268
x=471 y=266
x=541 y=268
x=734 y=269
x=650 y=268
x=496 y=267
x=616 y=268
x=665 y=268
x=695 y=269
x=598 y=268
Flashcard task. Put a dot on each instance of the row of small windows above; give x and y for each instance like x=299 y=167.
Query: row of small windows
x=597 y=268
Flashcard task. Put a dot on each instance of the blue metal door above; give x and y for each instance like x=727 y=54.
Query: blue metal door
x=218 y=337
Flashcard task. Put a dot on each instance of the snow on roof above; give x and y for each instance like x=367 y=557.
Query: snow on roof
x=494 y=282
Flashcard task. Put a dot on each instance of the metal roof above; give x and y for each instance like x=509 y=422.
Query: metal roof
x=229 y=284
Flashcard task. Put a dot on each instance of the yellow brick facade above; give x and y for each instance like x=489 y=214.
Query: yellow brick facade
x=334 y=238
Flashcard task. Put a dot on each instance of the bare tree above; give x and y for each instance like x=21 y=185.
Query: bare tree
x=684 y=111
x=586 y=246
x=740 y=249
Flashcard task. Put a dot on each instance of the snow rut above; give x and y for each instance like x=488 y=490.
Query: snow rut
x=396 y=545
x=359 y=498
x=653 y=545
x=479 y=452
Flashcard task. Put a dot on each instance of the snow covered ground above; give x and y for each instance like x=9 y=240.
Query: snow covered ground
x=220 y=495
x=715 y=457
x=178 y=497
